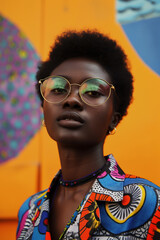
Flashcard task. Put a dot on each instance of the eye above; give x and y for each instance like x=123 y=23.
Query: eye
x=58 y=90
x=93 y=94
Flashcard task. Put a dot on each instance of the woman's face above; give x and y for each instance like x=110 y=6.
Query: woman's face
x=73 y=122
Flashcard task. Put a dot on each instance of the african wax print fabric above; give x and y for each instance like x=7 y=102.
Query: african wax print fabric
x=118 y=206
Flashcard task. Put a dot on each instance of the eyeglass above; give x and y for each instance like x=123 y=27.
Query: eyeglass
x=93 y=91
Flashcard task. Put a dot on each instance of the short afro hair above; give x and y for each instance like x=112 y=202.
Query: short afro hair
x=95 y=46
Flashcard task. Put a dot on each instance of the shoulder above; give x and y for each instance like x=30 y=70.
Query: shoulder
x=137 y=212
x=142 y=189
x=31 y=202
x=132 y=179
x=28 y=209
x=145 y=197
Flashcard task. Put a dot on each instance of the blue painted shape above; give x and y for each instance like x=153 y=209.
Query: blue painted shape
x=109 y=183
x=145 y=38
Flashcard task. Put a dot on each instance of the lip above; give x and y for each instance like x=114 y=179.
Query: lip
x=70 y=120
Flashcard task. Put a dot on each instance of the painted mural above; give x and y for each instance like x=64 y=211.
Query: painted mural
x=140 y=21
x=20 y=115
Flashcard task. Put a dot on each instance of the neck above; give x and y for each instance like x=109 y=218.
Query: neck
x=77 y=163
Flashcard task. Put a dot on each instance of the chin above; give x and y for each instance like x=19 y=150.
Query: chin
x=75 y=139
x=70 y=141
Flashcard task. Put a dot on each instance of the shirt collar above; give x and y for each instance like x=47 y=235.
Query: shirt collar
x=108 y=186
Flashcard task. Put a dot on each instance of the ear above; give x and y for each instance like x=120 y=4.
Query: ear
x=114 y=121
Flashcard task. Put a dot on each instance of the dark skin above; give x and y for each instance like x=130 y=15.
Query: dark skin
x=80 y=145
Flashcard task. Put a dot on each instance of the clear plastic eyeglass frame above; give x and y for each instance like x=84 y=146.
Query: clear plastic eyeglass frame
x=41 y=81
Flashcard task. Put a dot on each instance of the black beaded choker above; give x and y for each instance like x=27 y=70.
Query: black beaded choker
x=82 y=180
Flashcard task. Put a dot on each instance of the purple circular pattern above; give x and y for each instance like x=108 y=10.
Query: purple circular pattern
x=20 y=114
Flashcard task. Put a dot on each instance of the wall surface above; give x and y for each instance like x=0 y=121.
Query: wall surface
x=136 y=143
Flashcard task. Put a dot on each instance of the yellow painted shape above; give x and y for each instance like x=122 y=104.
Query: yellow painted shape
x=136 y=142
x=19 y=179
x=8 y=229
x=27 y=16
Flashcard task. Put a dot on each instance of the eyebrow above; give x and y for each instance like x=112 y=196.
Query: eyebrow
x=64 y=76
x=70 y=79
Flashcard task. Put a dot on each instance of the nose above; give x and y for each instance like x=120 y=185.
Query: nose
x=73 y=100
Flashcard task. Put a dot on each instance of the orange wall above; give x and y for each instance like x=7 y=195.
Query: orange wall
x=136 y=143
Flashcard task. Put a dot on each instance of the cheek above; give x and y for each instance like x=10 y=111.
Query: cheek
x=106 y=114
x=49 y=119
x=47 y=113
x=101 y=122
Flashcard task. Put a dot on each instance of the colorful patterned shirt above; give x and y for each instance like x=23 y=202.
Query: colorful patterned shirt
x=118 y=206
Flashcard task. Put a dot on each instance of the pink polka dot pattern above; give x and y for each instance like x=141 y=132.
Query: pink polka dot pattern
x=20 y=114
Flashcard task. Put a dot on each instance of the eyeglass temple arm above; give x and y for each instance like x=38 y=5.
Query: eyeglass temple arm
x=112 y=87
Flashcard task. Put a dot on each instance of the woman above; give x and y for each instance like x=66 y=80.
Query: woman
x=86 y=87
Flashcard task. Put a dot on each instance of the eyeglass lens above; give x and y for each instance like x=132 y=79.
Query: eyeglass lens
x=93 y=91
